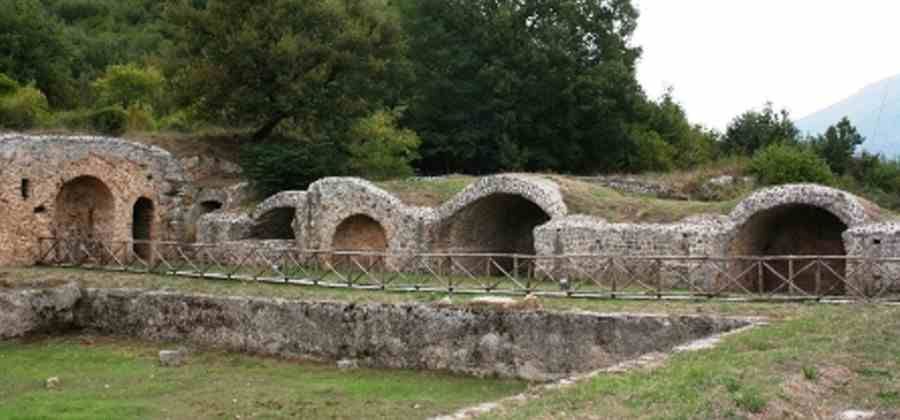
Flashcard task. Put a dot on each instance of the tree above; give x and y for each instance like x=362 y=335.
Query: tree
x=523 y=84
x=838 y=145
x=754 y=130
x=380 y=150
x=317 y=64
x=33 y=49
x=129 y=84
x=781 y=163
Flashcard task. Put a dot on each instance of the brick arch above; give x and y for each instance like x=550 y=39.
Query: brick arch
x=85 y=209
x=851 y=210
x=495 y=224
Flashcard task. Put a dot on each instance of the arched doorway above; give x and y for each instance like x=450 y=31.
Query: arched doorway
x=797 y=230
x=142 y=227
x=85 y=209
x=494 y=224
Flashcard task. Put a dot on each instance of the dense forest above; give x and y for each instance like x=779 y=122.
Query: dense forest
x=392 y=88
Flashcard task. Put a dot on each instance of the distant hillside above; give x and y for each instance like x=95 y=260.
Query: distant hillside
x=882 y=134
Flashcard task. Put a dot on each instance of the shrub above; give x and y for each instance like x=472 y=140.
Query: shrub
x=24 y=109
x=128 y=84
x=380 y=150
x=653 y=153
x=785 y=164
x=179 y=121
x=289 y=165
x=111 y=120
x=140 y=117
x=8 y=86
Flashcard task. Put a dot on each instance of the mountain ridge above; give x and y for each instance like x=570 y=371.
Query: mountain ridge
x=874 y=110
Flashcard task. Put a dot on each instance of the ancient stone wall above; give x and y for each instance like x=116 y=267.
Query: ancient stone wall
x=85 y=186
x=532 y=345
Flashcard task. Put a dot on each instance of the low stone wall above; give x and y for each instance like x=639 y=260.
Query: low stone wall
x=26 y=311
x=534 y=345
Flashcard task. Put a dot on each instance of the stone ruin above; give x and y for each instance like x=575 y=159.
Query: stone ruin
x=104 y=188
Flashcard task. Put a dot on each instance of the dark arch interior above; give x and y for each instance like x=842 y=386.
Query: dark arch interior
x=359 y=233
x=142 y=226
x=495 y=224
x=84 y=210
x=210 y=206
x=275 y=224
x=794 y=230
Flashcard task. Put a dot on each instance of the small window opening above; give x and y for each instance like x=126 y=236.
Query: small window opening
x=40 y=209
x=876 y=241
x=26 y=188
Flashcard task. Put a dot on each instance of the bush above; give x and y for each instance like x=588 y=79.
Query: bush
x=24 y=109
x=179 y=121
x=785 y=164
x=652 y=152
x=289 y=165
x=111 y=121
x=380 y=150
x=8 y=86
x=128 y=84
x=140 y=118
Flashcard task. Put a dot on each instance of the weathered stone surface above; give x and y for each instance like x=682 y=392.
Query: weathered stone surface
x=38 y=169
x=528 y=344
x=173 y=358
x=34 y=310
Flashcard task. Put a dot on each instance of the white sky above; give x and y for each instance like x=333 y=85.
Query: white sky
x=724 y=57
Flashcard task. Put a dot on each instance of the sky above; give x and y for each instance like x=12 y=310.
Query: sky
x=724 y=57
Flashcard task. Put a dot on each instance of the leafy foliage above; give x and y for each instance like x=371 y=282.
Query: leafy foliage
x=111 y=120
x=8 y=86
x=128 y=84
x=316 y=64
x=784 y=163
x=838 y=145
x=530 y=84
x=755 y=130
x=23 y=109
x=380 y=150
x=290 y=164
x=33 y=48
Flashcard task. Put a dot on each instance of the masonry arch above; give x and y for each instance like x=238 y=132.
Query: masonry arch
x=142 y=227
x=360 y=233
x=493 y=224
x=84 y=209
x=276 y=223
x=210 y=206
x=796 y=229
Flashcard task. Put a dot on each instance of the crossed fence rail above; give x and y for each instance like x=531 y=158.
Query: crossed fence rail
x=768 y=278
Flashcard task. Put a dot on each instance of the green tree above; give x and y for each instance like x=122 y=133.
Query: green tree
x=754 y=130
x=315 y=64
x=691 y=145
x=838 y=145
x=129 y=84
x=523 y=84
x=33 y=48
x=380 y=150
x=785 y=163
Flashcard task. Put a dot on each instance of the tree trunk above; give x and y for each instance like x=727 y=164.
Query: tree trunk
x=267 y=129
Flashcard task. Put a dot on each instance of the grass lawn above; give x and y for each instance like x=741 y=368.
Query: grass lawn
x=821 y=361
x=103 y=378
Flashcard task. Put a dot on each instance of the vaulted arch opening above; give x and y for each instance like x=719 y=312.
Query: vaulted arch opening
x=797 y=230
x=360 y=233
x=494 y=224
x=85 y=209
x=142 y=227
x=275 y=224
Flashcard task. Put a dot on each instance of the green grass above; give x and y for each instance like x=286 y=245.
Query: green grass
x=427 y=192
x=115 y=378
x=855 y=351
